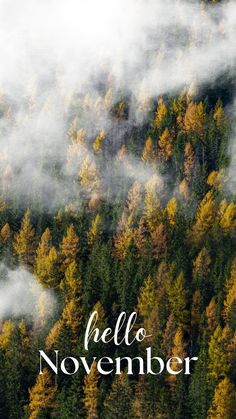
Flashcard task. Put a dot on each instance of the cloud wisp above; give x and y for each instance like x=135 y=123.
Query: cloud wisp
x=59 y=57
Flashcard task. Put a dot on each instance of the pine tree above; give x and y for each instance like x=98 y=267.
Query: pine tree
x=177 y=296
x=146 y=298
x=118 y=403
x=218 y=362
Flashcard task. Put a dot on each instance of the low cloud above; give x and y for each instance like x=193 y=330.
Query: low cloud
x=22 y=296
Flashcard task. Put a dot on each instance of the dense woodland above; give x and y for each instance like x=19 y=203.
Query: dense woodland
x=144 y=221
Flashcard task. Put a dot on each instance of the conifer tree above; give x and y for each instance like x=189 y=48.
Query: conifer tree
x=95 y=231
x=165 y=144
x=161 y=114
x=224 y=401
x=195 y=118
x=148 y=155
x=24 y=241
x=42 y=395
x=189 y=161
x=69 y=247
x=5 y=233
x=118 y=403
x=91 y=392
x=152 y=211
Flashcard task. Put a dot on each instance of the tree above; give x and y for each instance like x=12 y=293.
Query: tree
x=91 y=392
x=165 y=145
x=205 y=218
x=118 y=403
x=201 y=269
x=46 y=261
x=189 y=161
x=72 y=316
x=42 y=395
x=89 y=177
x=177 y=296
x=224 y=401
x=24 y=241
x=219 y=116
x=69 y=247
x=160 y=115
x=230 y=299
x=98 y=143
x=152 y=211
x=95 y=231
x=171 y=210
x=159 y=242
x=195 y=118
x=228 y=218
x=211 y=315
x=218 y=362
x=148 y=155
x=146 y=298
x=5 y=233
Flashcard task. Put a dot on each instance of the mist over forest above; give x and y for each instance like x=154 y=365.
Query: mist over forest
x=117 y=193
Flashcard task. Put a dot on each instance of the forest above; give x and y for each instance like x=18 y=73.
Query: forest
x=120 y=203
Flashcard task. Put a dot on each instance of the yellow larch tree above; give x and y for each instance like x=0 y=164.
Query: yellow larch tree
x=219 y=115
x=42 y=395
x=201 y=265
x=152 y=210
x=189 y=161
x=95 y=231
x=91 y=392
x=98 y=142
x=89 y=176
x=211 y=315
x=171 y=210
x=69 y=247
x=5 y=233
x=24 y=241
x=160 y=114
x=227 y=219
x=224 y=401
x=195 y=118
x=165 y=144
x=205 y=218
x=230 y=299
x=148 y=155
